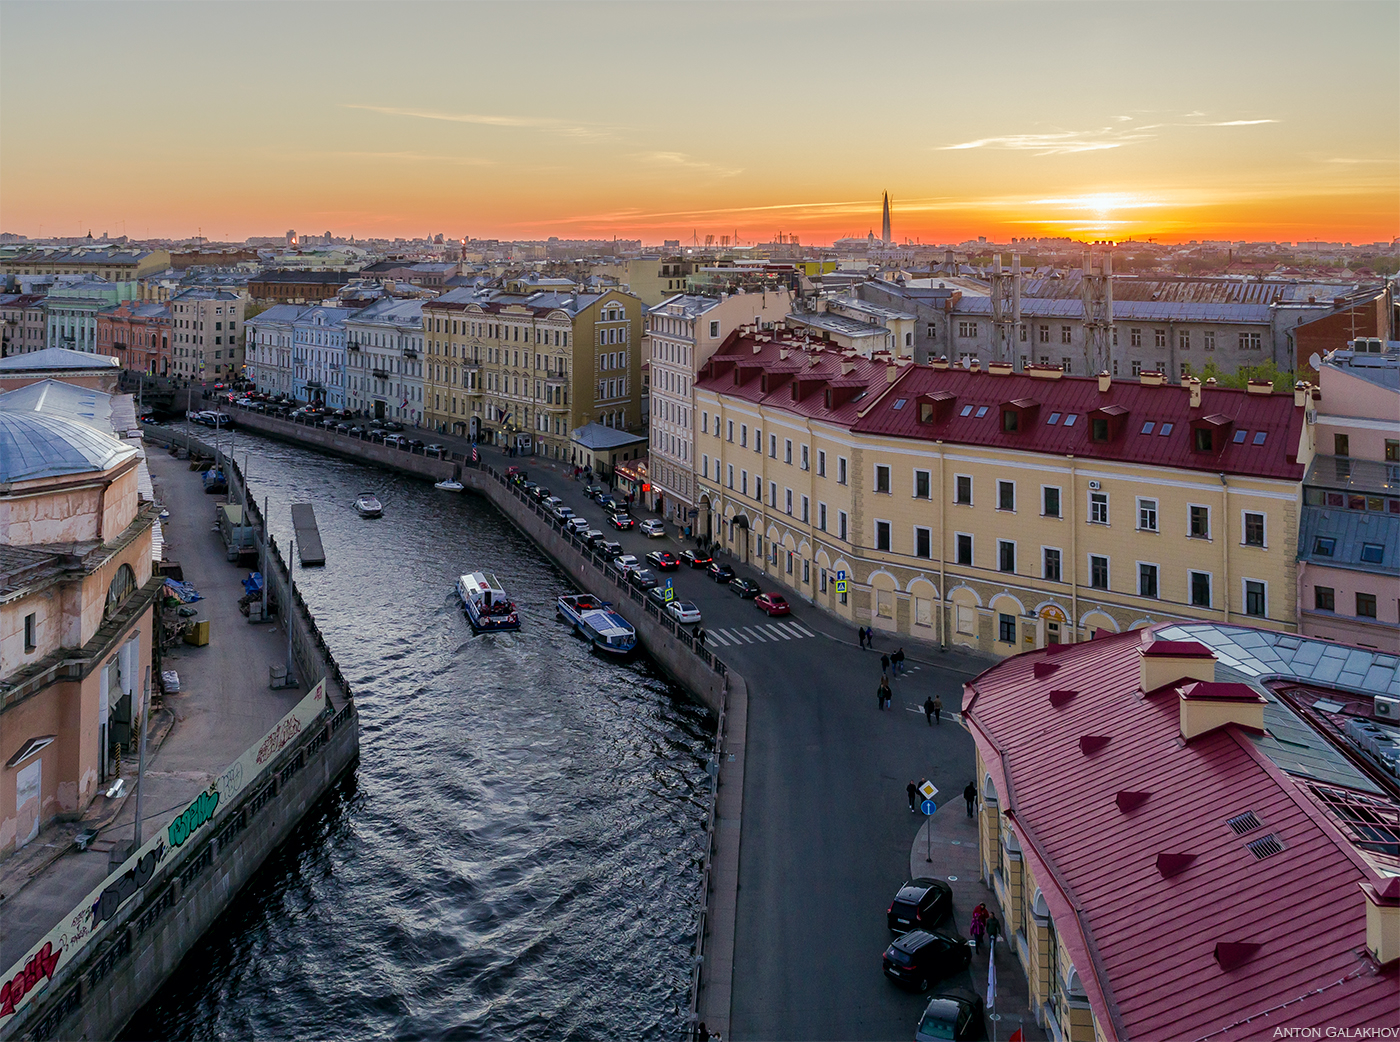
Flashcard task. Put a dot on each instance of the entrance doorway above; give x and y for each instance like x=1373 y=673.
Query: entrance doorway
x=379 y=409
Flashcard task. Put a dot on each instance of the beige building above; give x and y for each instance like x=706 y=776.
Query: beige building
x=208 y=334
x=998 y=510
x=526 y=371
x=112 y=263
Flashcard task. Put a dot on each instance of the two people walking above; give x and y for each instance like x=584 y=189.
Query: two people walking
x=933 y=710
x=883 y=694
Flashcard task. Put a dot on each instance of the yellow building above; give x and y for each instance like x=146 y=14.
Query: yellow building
x=528 y=370
x=111 y=262
x=997 y=510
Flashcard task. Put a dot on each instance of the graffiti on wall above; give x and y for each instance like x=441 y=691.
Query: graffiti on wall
x=40 y=967
x=126 y=885
x=195 y=815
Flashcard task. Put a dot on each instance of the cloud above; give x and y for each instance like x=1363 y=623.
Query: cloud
x=1232 y=123
x=1351 y=162
x=568 y=128
x=412 y=157
x=1068 y=142
x=682 y=160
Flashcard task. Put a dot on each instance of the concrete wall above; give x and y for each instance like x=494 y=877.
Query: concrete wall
x=341 y=445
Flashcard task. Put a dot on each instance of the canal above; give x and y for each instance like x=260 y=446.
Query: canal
x=516 y=856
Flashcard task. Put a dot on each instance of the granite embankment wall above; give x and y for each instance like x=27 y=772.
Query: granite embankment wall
x=343 y=445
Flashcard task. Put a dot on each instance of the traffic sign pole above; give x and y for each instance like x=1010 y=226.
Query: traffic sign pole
x=928 y=807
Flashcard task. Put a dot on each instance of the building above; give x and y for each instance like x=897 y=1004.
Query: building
x=138 y=334
x=108 y=263
x=1366 y=314
x=604 y=449
x=296 y=287
x=25 y=324
x=526 y=370
x=96 y=372
x=885 y=222
x=1349 y=538
x=72 y=306
x=384 y=360
x=207 y=333
x=1144 y=803
x=426 y=274
x=682 y=332
x=1000 y=510
x=76 y=596
x=318 y=355
x=270 y=336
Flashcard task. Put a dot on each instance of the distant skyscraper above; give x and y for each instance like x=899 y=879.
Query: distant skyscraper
x=885 y=228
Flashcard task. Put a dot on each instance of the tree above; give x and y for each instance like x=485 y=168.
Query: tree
x=1281 y=379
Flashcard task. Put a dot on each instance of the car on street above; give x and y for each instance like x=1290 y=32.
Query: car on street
x=684 y=612
x=592 y=538
x=720 y=573
x=612 y=551
x=664 y=560
x=641 y=578
x=608 y=503
x=622 y=522
x=773 y=604
x=695 y=559
x=396 y=440
x=919 y=958
x=435 y=450
x=356 y=432
x=921 y=904
x=562 y=512
x=653 y=528
x=528 y=486
x=579 y=525
x=540 y=493
x=414 y=445
x=745 y=588
x=657 y=596
x=627 y=563
x=953 y=1015
x=550 y=502
x=594 y=491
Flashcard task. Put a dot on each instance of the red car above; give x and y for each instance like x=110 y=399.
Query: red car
x=773 y=604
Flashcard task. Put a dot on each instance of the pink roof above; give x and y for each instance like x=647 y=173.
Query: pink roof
x=1178 y=930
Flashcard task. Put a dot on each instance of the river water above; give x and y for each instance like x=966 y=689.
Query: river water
x=516 y=856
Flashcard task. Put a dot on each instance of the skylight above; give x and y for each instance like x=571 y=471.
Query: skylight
x=967 y=410
x=1166 y=429
x=1069 y=420
x=899 y=403
x=981 y=411
x=1240 y=436
x=1324 y=546
x=1372 y=553
x=1054 y=419
x=1259 y=437
x=1147 y=427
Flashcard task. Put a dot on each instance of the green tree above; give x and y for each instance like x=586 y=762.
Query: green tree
x=1282 y=380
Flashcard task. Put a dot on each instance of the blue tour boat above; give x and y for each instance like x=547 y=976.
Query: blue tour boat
x=594 y=618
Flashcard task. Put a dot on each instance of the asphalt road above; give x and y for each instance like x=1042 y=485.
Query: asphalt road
x=827 y=827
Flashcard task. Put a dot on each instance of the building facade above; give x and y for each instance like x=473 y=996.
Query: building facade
x=110 y=264
x=318 y=355
x=24 y=323
x=72 y=306
x=1000 y=510
x=138 y=335
x=384 y=360
x=270 y=339
x=296 y=287
x=207 y=334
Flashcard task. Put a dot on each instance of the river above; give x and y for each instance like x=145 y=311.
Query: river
x=517 y=854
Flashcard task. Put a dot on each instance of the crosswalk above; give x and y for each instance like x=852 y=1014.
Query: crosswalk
x=758 y=634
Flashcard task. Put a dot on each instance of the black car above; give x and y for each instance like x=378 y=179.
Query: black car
x=745 y=588
x=642 y=579
x=608 y=503
x=594 y=539
x=540 y=493
x=695 y=559
x=610 y=550
x=594 y=491
x=664 y=561
x=720 y=573
x=414 y=445
x=920 y=905
x=621 y=522
x=919 y=958
x=657 y=596
x=952 y=1014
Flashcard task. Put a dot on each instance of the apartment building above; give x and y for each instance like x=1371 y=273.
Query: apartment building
x=109 y=263
x=682 y=332
x=527 y=370
x=207 y=334
x=384 y=360
x=319 y=355
x=71 y=309
x=138 y=335
x=1000 y=510
x=270 y=337
x=22 y=323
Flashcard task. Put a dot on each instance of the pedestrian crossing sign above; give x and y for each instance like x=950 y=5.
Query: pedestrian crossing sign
x=669 y=594
x=840 y=585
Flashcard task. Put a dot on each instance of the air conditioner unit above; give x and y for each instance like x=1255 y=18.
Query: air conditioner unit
x=1388 y=709
x=1093 y=486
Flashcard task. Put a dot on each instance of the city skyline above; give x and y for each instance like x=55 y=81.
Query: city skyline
x=652 y=122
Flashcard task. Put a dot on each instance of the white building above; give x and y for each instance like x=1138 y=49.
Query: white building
x=269 y=348
x=318 y=355
x=384 y=368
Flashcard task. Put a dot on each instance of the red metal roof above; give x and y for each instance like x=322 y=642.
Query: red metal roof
x=1177 y=928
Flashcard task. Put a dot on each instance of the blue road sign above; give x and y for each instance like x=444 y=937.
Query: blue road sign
x=928 y=806
x=840 y=575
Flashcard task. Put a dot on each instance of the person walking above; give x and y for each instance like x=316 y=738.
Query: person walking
x=938 y=710
x=883 y=692
x=978 y=929
x=700 y=638
x=928 y=711
x=889 y=697
x=913 y=791
x=860 y=636
x=970 y=794
x=898 y=659
x=993 y=929
x=884 y=665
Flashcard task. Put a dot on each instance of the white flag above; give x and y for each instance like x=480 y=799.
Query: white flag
x=992 y=975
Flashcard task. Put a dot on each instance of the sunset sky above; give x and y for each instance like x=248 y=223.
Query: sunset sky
x=662 y=120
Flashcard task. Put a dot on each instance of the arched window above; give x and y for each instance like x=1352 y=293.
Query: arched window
x=123 y=586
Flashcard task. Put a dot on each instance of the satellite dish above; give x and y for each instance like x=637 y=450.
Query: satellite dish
x=1315 y=361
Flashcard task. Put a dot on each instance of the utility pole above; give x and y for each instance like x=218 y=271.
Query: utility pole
x=141 y=754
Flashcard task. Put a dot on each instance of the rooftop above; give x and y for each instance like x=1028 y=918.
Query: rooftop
x=56 y=358
x=34 y=445
x=1362 y=541
x=599 y=438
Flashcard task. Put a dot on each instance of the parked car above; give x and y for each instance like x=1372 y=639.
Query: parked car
x=550 y=502
x=720 y=573
x=356 y=432
x=773 y=604
x=608 y=503
x=376 y=434
x=592 y=538
x=952 y=1014
x=435 y=450
x=664 y=560
x=621 y=522
x=540 y=493
x=396 y=440
x=653 y=527
x=684 y=612
x=594 y=491
x=343 y=428
x=921 y=904
x=919 y=958
x=414 y=445
x=745 y=588
x=612 y=551
x=528 y=486
x=695 y=559
x=627 y=563
x=562 y=512
x=657 y=596
x=642 y=578
x=579 y=525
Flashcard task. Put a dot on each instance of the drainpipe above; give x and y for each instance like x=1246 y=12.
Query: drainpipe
x=1073 y=555
x=1225 y=541
x=942 y=551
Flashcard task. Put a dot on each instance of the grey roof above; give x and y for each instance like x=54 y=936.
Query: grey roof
x=1354 y=475
x=56 y=358
x=1350 y=530
x=64 y=400
x=33 y=445
x=599 y=438
x=205 y=293
x=838 y=324
x=1128 y=310
x=684 y=305
x=279 y=313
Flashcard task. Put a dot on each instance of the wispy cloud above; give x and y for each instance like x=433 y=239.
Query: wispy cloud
x=1068 y=142
x=1355 y=162
x=1231 y=123
x=548 y=124
x=682 y=160
x=411 y=157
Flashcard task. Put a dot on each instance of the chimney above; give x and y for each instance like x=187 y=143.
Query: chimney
x=1260 y=387
x=1193 y=384
x=974 y=365
x=1105 y=382
x=1151 y=379
x=1000 y=368
x=939 y=363
x=1383 y=919
x=1166 y=662
x=1300 y=394
x=891 y=373
x=1207 y=706
x=847 y=368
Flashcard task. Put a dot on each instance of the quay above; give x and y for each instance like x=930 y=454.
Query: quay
x=309 y=548
x=231 y=766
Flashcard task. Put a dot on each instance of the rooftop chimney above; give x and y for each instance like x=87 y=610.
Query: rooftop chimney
x=1194 y=386
x=1000 y=368
x=939 y=363
x=1383 y=919
x=1207 y=706
x=1150 y=379
x=1260 y=387
x=1166 y=662
x=891 y=373
x=1300 y=394
x=1105 y=381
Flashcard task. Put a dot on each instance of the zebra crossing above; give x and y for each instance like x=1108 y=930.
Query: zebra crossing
x=760 y=633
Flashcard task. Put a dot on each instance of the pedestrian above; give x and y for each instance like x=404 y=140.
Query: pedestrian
x=884 y=665
x=970 y=794
x=889 y=696
x=899 y=661
x=883 y=692
x=700 y=638
x=938 y=710
x=928 y=711
x=860 y=637
x=913 y=791
x=980 y=915
x=870 y=638
x=993 y=929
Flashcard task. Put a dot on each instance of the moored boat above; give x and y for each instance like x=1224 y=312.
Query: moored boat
x=368 y=505
x=450 y=486
x=594 y=618
x=486 y=603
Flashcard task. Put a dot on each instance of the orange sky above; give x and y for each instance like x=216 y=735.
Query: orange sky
x=1174 y=121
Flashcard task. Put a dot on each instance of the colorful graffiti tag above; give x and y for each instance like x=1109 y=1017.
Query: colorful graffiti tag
x=195 y=815
x=130 y=881
x=39 y=967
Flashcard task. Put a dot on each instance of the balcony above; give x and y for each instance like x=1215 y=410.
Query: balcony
x=410 y=352
x=352 y=345
x=381 y=374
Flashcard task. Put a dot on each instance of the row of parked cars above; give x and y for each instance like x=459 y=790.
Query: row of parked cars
x=923 y=955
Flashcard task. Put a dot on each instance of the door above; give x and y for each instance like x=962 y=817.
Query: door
x=29 y=787
x=378 y=409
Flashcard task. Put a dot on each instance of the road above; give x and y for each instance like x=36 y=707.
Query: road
x=827 y=827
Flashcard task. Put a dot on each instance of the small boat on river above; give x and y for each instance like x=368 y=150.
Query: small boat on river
x=594 y=618
x=450 y=486
x=486 y=603
x=368 y=505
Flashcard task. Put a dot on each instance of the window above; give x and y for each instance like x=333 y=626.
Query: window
x=882 y=535
x=744 y=435
x=922 y=484
x=821 y=463
x=1098 y=429
x=772 y=446
x=882 y=478
x=962 y=489
x=1200 y=589
x=31 y=635
x=806 y=509
x=1147 y=515
x=1366 y=605
x=714 y=329
x=1199 y=526
x=1098 y=572
x=705 y=466
x=1324 y=598
x=731 y=430
x=1392 y=450
x=730 y=473
x=1371 y=553
x=1010 y=420
x=840 y=470
x=705 y=423
x=787 y=450
x=964 y=547
x=1341 y=445
x=1183 y=340
x=1147 y=580
x=1208 y=340
x=1250 y=341
x=1043 y=335
x=1254 y=598
x=1135 y=337
x=744 y=483
x=1137 y=368
x=821 y=516
x=1098 y=508
x=1050 y=501
x=1006 y=495
x=1324 y=546
x=1069 y=420
x=1253 y=529
x=1051 y=565
x=772 y=493
x=1006 y=628
x=1159 y=338
x=923 y=542
x=787 y=502
x=967 y=329
x=806 y=461
x=1065 y=335
x=1006 y=555
x=841 y=524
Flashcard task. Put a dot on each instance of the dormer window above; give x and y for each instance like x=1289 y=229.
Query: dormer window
x=1098 y=429
x=1010 y=421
